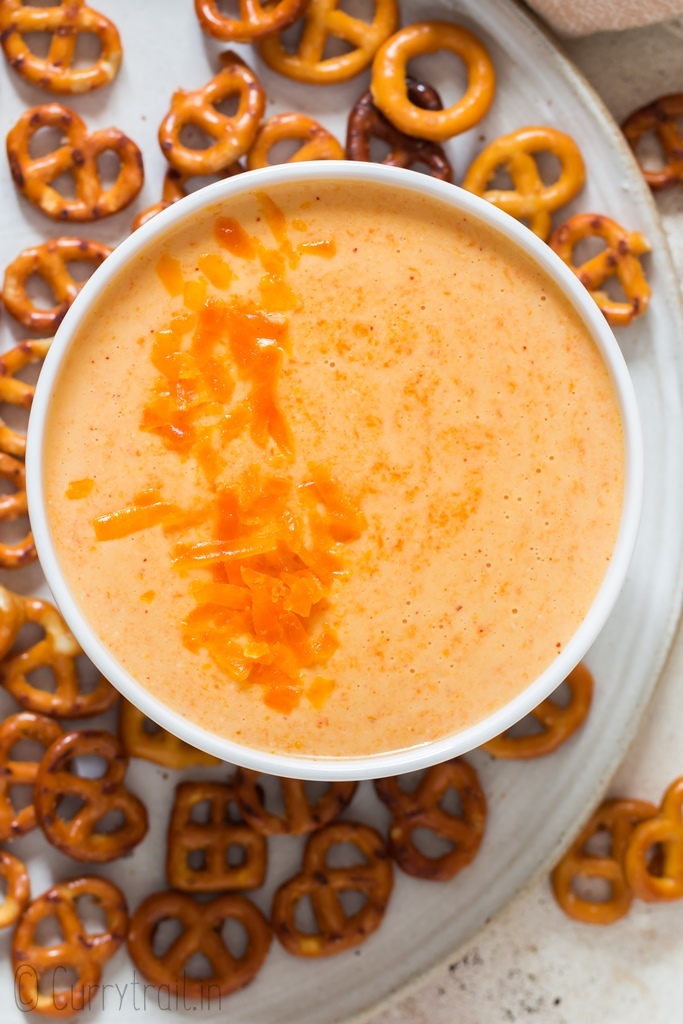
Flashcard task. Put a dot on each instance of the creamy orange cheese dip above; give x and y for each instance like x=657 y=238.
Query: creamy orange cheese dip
x=393 y=501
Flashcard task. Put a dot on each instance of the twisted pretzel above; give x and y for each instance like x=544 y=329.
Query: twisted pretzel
x=300 y=816
x=23 y=726
x=559 y=722
x=232 y=135
x=390 y=91
x=12 y=506
x=660 y=117
x=422 y=809
x=317 y=142
x=323 y=884
x=50 y=261
x=366 y=121
x=324 y=20
x=77 y=156
x=213 y=839
x=81 y=951
x=77 y=838
x=18 y=392
x=201 y=934
x=58 y=651
x=174 y=189
x=619 y=258
x=618 y=818
x=159 y=746
x=664 y=830
x=12 y=618
x=530 y=199
x=18 y=889
x=65 y=22
x=254 y=22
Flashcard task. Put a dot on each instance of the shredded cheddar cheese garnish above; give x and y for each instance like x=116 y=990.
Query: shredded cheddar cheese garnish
x=265 y=551
x=79 y=489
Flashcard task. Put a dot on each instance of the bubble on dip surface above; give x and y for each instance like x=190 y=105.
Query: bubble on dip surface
x=435 y=429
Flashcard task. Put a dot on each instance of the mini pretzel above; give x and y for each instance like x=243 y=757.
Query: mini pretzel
x=232 y=135
x=619 y=258
x=213 y=840
x=324 y=20
x=18 y=889
x=422 y=809
x=300 y=816
x=80 y=950
x=23 y=726
x=12 y=506
x=65 y=22
x=618 y=818
x=77 y=156
x=51 y=262
x=666 y=831
x=530 y=199
x=12 y=618
x=390 y=91
x=174 y=189
x=254 y=22
x=201 y=933
x=660 y=117
x=17 y=392
x=158 y=746
x=324 y=884
x=317 y=143
x=366 y=122
x=58 y=651
x=559 y=722
x=77 y=838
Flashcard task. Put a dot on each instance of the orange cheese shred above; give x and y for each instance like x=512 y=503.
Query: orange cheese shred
x=264 y=550
x=78 y=489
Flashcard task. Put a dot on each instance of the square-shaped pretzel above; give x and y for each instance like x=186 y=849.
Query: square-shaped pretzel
x=212 y=839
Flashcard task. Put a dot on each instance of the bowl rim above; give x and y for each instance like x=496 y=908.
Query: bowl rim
x=386 y=763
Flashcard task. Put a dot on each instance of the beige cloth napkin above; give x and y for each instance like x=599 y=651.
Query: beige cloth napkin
x=581 y=17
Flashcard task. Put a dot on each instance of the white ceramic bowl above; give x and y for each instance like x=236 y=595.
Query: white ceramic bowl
x=381 y=764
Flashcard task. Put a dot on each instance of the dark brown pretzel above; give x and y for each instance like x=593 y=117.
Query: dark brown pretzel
x=366 y=121
x=23 y=726
x=422 y=809
x=323 y=884
x=77 y=838
x=51 y=262
x=17 y=392
x=58 y=651
x=201 y=934
x=64 y=23
x=299 y=816
x=559 y=722
x=160 y=747
x=660 y=117
x=18 y=889
x=255 y=21
x=77 y=156
x=618 y=818
x=232 y=135
x=213 y=839
x=174 y=189
x=12 y=506
x=80 y=950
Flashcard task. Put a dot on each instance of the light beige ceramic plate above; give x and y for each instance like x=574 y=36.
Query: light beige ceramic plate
x=534 y=807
